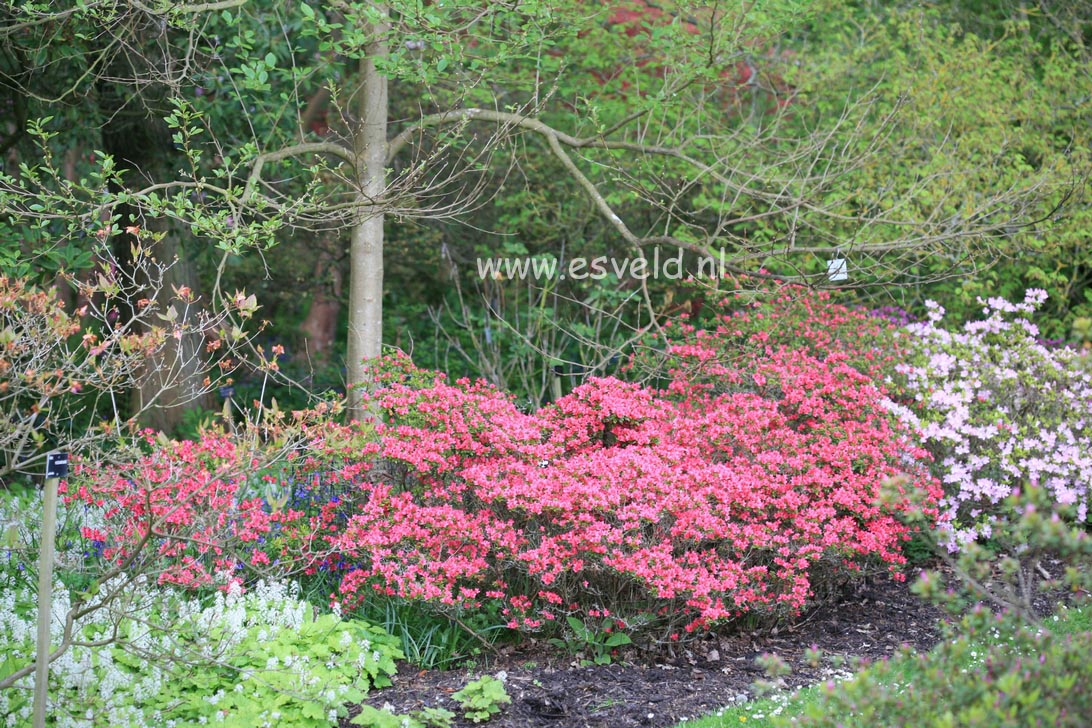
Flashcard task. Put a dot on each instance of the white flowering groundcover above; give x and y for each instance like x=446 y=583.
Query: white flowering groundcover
x=260 y=658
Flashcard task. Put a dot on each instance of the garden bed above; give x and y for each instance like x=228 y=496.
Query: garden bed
x=549 y=689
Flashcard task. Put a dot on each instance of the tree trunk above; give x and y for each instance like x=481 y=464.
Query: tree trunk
x=141 y=145
x=176 y=376
x=366 y=247
x=319 y=327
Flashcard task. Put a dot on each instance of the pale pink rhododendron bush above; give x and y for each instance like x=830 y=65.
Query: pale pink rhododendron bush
x=745 y=479
x=999 y=411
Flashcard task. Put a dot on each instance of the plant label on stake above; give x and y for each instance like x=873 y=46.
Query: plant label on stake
x=56 y=465
x=837 y=269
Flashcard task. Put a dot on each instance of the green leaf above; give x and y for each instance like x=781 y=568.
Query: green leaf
x=311 y=710
x=617 y=639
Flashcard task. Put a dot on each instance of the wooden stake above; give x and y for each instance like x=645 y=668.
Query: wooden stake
x=56 y=468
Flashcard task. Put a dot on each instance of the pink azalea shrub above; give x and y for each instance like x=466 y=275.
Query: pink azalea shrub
x=174 y=511
x=751 y=478
x=735 y=328
x=999 y=411
x=749 y=483
x=217 y=510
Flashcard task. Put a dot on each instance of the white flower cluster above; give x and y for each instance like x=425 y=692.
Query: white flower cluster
x=98 y=676
x=81 y=676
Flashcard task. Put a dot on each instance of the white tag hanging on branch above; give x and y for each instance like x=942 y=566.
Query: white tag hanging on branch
x=837 y=268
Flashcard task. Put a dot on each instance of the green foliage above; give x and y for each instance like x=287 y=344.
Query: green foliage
x=385 y=718
x=45 y=217
x=240 y=660
x=483 y=698
x=998 y=673
x=813 y=656
x=773 y=665
x=969 y=102
x=1008 y=571
x=18 y=536
x=195 y=420
x=1000 y=664
x=436 y=717
x=301 y=676
x=597 y=644
x=775 y=669
x=431 y=640
x=919 y=550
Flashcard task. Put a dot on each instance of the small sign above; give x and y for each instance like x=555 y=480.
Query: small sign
x=56 y=465
x=227 y=392
x=837 y=269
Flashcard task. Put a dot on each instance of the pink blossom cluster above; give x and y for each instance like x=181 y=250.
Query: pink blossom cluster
x=176 y=511
x=999 y=411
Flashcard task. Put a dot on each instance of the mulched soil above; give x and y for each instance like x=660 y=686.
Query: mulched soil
x=551 y=689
